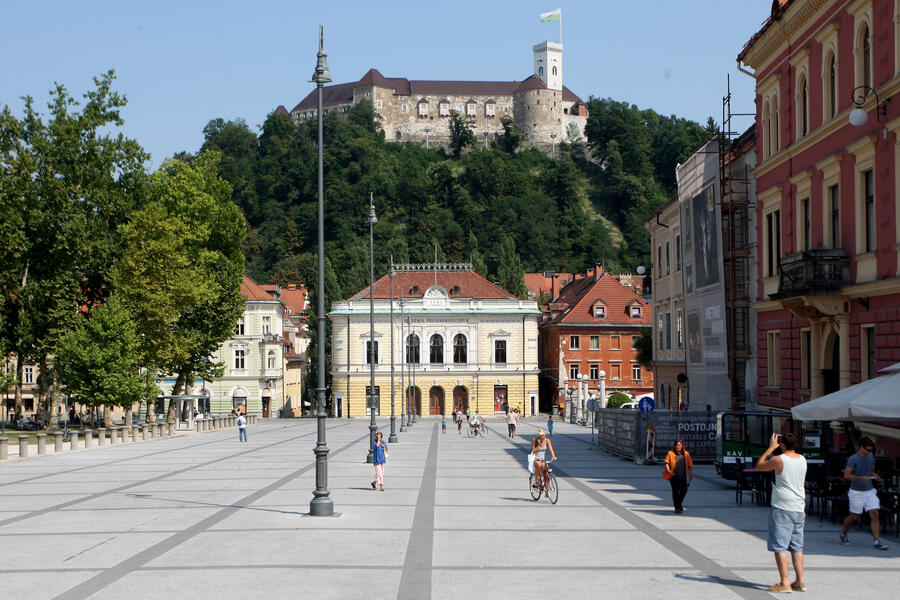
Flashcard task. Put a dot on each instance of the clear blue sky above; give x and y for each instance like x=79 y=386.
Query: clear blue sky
x=182 y=63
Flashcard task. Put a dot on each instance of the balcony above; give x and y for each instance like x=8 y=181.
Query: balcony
x=812 y=272
x=270 y=338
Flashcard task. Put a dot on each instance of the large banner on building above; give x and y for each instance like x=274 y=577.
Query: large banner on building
x=703 y=280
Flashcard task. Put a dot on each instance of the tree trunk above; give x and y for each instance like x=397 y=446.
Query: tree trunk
x=151 y=407
x=41 y=402
x=107 y=417
x=129 y=418
x=54 y=404
x=20 y=369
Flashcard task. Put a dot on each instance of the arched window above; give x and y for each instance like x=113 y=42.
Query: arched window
x=775 y=133
x=460 y=349
x=802 y=106
x=830 y=86
x=554 y=70
x=270 y=359
x=437 y=349
x=541 y=72
x=866 y=48
x=767 y=130
x=412 y=349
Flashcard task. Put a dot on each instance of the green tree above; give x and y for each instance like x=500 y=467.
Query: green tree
x=510 y=140
x=475 y=255
x=509 y=269
x=181 y=272
x=643 y=343
x=99 y=362
x=461 y=133
x=617 y=399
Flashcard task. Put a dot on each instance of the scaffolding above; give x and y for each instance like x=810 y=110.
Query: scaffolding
x=736 y=203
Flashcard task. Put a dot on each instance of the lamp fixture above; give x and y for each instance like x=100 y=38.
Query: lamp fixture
x=859 y=116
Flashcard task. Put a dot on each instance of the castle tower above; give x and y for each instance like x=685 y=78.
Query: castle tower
x=548 y=64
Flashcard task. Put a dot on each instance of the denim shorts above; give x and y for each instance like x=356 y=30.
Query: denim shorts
x=785 y=530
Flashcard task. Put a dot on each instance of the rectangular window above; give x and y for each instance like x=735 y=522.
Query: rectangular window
x=500 y=352
x=599 y=312
x=869 y=190
x=678 y=252
x=404 y=107
x=773 y=242
x=636 y=372
x=423 y=109
x=595 y=342
x=615 y=342
x=615 y=370
x=868 y=352
x=805 y=371
x=835 y=216
x=595 y=371
x=27 y=374
x=240 y=327
x=773 y=358
x=575 y=342
x=267 y=325
x=668 y=331
x=379 y=103
x=371 y=352
x=443 y=109
x=659 y=262
x=489 y=109
x=668 y=263
x=635 y=311
x=239 y=356
x=804 y=204
x=659 y=331
x=573 y=371
x=679 y=329
x=470 y=109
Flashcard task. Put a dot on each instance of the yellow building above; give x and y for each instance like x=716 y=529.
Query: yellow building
x=458 y=341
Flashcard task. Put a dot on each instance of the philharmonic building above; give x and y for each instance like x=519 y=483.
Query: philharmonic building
x=544 y=110
x=457 y=341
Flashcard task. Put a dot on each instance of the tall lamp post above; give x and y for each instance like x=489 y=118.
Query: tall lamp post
x=321 y=505
x=372 y=426
x=393 y=437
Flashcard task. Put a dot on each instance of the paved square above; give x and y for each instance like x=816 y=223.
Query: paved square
x=205 y=516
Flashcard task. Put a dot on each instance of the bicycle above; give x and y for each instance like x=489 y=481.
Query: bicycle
x=474 y=431
x=547 y=486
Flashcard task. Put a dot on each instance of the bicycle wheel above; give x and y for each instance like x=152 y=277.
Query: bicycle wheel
x=483 y=431
x=535 y=491
x=470 y=432
x=552 y=490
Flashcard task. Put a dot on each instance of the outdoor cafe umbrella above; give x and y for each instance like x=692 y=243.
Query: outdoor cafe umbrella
x=877 y=398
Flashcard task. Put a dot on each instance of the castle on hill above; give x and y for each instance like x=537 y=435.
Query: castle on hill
x=545 y=111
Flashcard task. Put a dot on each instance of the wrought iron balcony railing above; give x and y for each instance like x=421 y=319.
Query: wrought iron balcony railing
x=813 y=272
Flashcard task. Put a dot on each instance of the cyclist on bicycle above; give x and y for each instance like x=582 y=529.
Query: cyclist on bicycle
x=539 y=446
x=475 y=422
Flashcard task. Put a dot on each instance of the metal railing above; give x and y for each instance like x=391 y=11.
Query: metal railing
x=813 y=272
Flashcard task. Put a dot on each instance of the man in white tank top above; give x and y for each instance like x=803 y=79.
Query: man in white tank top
x=788 y=510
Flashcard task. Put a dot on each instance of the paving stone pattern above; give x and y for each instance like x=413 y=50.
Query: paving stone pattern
x=206 y=516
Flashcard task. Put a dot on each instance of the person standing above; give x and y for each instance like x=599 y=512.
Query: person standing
x=510 y=423
x=860 y=471
x=515 y=423
x=443 y=424
x=550 y=426
x=379 y=459
x=242 y=427
x=459 y=422
x=680 y=467
x=787 y=512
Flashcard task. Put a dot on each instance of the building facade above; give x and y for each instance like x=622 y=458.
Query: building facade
x=589 y=331
x=457 y=341
x=295 y=341
x=544 y=110
x=827 y=210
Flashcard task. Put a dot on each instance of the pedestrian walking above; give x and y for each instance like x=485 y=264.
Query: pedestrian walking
x=459 y=421
x=862 y=497
x=550 y=426
x=242 y=427
x=516 y=424
x=379 y=459
x=786 y=514
x=680 y=471
x=510 y=424
x=443 y=424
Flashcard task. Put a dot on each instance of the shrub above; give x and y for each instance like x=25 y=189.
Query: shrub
x=617 y=399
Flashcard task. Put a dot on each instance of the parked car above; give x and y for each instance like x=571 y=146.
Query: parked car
x=630 y=406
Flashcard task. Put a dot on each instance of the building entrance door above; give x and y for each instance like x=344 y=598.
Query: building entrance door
x=436 y=395
x=460 y=398
x=413 y=401
x=265 y=407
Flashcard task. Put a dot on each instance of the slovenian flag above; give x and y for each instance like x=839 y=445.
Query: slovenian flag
x=553 y=15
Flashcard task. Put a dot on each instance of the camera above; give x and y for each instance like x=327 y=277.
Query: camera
x=778 y=438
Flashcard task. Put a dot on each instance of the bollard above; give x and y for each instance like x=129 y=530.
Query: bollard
x=113 y=436
x=42 y=443
x=145 y=432
x=134 y=432
x=88 y=439
x=216 y=422
x=204 y=425
x=23 y=446
x=4 y=448
x=171 y=429
x=58 y=442
x=101 y=436
x=73 y=440
x=124 y=433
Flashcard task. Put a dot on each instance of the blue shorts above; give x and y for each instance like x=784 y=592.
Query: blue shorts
x=785 y=530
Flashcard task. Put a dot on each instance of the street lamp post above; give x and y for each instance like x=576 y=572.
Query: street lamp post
x=409 y=384
x=393 y=437
x=372 y=426
x=321 y=505
x=402 y=373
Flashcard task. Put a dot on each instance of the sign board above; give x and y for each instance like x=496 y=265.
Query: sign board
x=593 y=405
x=646 y=405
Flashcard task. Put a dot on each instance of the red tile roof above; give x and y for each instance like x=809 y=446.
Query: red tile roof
x=253 y=291
x=459 y=284
x=576 y=300
x=293 y=296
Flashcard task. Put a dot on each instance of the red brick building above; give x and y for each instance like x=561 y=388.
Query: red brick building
x=827 y=209
x=589 y=328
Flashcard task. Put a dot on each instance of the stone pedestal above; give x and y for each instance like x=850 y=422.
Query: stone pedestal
x=23 y=446
x=145 y=432
x=58 y=441
x=73 y=440
x=159 y=430
x=4 y=448
x=42 y=443
x=114 y=436
x=88 y=439
x=171 y=428
x=101 y=436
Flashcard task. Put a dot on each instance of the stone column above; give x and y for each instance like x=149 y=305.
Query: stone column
x=171 y=428
x=601 y=391
x=58 y=441
x=4 y=448
x=113 y=436
x=73 y=440
x=145 y=432
x=134 y=433
x=42 y=443
x=101 y=436
x=124 y=433
x=88 y=439
x=817 y=382
x=844 y=333
x=204 y=425
x=23 y=446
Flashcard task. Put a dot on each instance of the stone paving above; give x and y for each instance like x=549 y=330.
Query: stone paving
x=206 y=516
